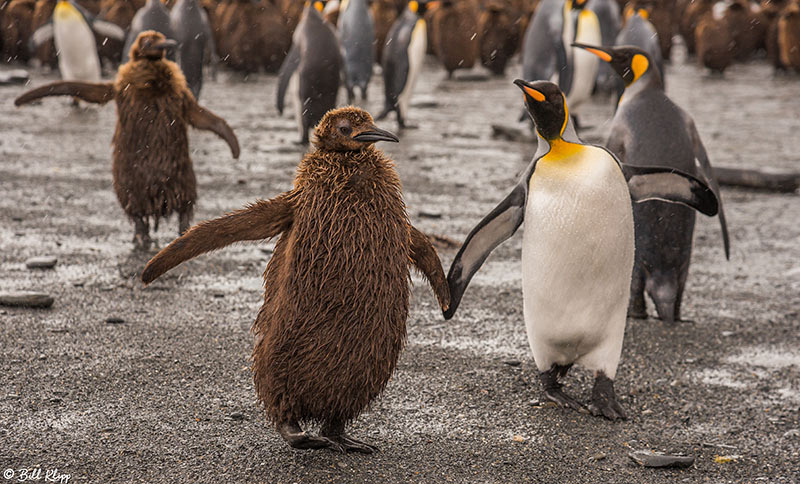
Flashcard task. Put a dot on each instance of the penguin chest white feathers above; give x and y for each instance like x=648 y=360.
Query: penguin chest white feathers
x=416 y=56
x=577 y=258
x=75 y=44
x=584 y=64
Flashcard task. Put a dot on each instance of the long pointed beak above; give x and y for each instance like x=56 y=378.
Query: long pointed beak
x=165 y=44
x=599 y=52
x=374 y=134
x=530 y=91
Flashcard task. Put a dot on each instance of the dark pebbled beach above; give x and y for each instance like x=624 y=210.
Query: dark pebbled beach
x=122 y=383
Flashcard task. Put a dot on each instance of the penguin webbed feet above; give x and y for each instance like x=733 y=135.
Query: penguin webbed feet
x=294 y=435
x=335 y=433
x=331 y=437
x=553 y=389
x=604 y=399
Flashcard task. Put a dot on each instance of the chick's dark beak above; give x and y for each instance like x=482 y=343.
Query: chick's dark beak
x=373 y=134
x=166 y=44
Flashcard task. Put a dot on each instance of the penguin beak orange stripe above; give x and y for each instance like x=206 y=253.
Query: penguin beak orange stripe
x=536 y=95
x=599 y=53
x=319 y=6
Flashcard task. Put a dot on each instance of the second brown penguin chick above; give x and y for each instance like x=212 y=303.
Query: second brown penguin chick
x=153 y=174
x=333 y=322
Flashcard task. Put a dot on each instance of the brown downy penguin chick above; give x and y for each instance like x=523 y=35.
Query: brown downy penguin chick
x=153 y=174
x=713 y=40
x=15 y=30
x=789 y=36
x=499 y=35
x=253 y=36
x=746 y=27
x=455 y=34
x=45 y=53
x=689 y=20
x=121 y=13
x=384 y=13
x=333 y=321
x=770 y=10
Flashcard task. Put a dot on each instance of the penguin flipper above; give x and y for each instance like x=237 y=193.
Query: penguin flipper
x=285 y=74
x=670 y=185
x=424 y=257
x=704 y=165
x=91 y=92
x=202 y=118
x=494 y=229
x=261 y=220
x=41 y=35
x=108 y=29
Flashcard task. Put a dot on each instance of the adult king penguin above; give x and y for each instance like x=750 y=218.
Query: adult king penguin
x=664 y=231
x=578 y=246
x=73 y=30
x=577 y=78
x=357 y=31
x=189 y=22
x=311 y=70
x=403 y=55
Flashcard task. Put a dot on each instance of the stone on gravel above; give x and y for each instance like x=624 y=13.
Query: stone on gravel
x=44 y=262
x=114 y=320
x=648 y=458
x=26 y=299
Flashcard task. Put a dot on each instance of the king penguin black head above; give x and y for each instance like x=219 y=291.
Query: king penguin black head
x=630 y=63
x=547 y=106
x=418 y=6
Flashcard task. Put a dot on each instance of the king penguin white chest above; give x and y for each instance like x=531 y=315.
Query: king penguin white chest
x=577 y=255
x=75 y=44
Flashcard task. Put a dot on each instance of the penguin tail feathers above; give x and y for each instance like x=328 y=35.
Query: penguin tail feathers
x=259 y=221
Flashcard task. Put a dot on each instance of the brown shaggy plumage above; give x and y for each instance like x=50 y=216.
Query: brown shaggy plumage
x=714 y=43
x=153 y=175
x=455 y=34
x=333 y=322
x=789 y=36
x=253 y=36
x=499 y=35
x=15 y=30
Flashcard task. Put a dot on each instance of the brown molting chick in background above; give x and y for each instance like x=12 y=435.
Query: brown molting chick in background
x=152 y=171
x=333 y=322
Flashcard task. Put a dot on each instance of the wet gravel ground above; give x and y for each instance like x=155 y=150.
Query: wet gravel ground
x=166 y=395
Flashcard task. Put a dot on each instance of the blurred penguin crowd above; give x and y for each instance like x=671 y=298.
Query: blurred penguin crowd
x=256 y=35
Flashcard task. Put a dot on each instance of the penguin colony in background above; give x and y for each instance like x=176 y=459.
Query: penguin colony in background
x=612 y=229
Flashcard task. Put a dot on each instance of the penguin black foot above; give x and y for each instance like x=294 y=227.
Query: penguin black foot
x=335 y=433
x=298 y=439
x=553 y=389
x=604 y=399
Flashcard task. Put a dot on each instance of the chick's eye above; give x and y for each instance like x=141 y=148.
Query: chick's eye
x=345 y=130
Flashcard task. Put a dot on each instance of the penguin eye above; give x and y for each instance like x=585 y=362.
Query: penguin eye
x=345 y=130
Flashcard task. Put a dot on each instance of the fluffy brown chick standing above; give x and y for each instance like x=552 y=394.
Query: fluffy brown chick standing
x=333 y=322
x=152 y=171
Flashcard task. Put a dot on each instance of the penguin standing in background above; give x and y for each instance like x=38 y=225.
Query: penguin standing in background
x=543 y=53
x=577 y=78
x=189 y=24
x=607 y=12
x=73 y=28
x=639 y=32
x=152 y=171
x=357 y=32
x=577 y=248
x=664 y=231
x=312 y=70
x=153 y=16
x=455 y=34
x=498 y=35
x=713 y=40
x=788 y=26
x=403 y=56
